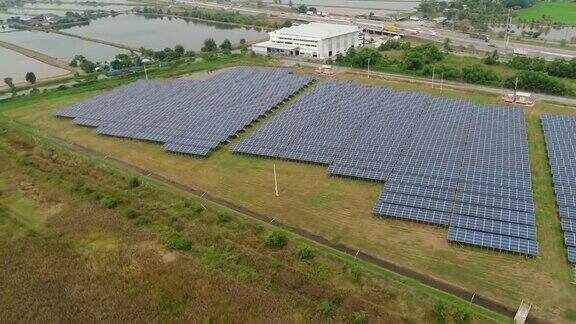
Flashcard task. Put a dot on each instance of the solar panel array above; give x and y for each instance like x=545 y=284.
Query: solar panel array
x=560 y=135
x=189 y=117
x=446 y=162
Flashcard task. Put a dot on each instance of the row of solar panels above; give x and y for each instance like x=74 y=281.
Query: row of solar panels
x=446 y=162
x=189 y=117
x=560 y=135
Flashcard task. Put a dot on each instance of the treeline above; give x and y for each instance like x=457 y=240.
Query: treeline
x=428 y=59
x=559 y=67
x=167 y=55
x=468 y=15
x=220 y=16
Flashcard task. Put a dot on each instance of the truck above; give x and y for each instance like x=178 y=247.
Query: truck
x=483 y=37
x=391 y=28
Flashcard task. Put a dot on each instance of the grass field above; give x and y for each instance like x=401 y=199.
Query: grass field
x=92 y=262
x=560 y=11
x=340 y=209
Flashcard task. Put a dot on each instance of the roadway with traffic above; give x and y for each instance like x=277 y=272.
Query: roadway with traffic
x=423 y=30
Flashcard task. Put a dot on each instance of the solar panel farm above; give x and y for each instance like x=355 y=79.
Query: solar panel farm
x=444 y=183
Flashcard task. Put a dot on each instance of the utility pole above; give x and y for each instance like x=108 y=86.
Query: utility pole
x=508 y=23
x=515 y=88
x=441 y=82
x=275 y=182
x=433 y=71
x=368 y=68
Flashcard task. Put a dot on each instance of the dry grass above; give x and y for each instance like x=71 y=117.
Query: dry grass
x=340 y=209
x=91 y=263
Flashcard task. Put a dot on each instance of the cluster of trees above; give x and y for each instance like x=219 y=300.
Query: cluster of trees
x=472 y=14
x=82 y=62
x=427 y=59
x=30 y=78
x=167 y=54
x=540 y=82
x=304 y=9
x=222 y=16
x=559 y=67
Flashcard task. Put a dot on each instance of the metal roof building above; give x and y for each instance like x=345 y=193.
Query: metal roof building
x=314 y=40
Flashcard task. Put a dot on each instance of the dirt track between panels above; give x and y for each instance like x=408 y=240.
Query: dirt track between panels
x=407 y=272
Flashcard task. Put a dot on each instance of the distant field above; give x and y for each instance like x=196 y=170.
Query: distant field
x=561 y=11
x=340 y=209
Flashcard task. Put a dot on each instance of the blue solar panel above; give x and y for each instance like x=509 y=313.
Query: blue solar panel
x=570 y=238
x=493 y=241
x=561 y=145
x=190 y=117
x=572 y=254
x=411 y=213
x=492 y=226
x=439 y=157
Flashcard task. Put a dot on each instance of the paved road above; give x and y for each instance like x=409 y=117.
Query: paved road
x=570 y=102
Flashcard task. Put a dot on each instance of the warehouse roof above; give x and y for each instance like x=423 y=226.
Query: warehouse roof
x=317 y=30
x=276 y=45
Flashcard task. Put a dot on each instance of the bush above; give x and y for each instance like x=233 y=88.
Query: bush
x=188 y=204
x=134 y=182
x=305 y=252
x=358 y=318
x=129 y=213
x=326 y=308
x=390 y=45
x=277 y=238
x=223 y=217
x=440 y=310
x=479 y=75
x=538 y=81
x=356 y=270
x=462 y=315
x=22 y=159
x=110 y=202
x=178 y=242
x=143 y=221
x=199 y=210
x=492 y=59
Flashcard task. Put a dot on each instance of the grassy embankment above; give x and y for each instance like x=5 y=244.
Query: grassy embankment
x=80 y=242
x=339 y=209
x=559 y=11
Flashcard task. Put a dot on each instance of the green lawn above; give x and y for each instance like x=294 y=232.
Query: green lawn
x=560 y=11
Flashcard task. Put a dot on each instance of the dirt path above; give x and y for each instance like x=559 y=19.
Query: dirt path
x=423 y=278
x=40 y=57
x=90 y=39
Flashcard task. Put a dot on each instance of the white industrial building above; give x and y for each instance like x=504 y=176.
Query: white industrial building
x=315 y=40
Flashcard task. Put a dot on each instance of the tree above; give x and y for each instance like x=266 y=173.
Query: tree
x=277 y=238
x=479 y=75
x=226 y=45
x=88 y=66
x=210 y=45
x=538 y=81
x=30 y=77
x=447 y=45
x=116 y=64
x=492 y=58
x=302 y=8
x=10 y=83
x=179 y=49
